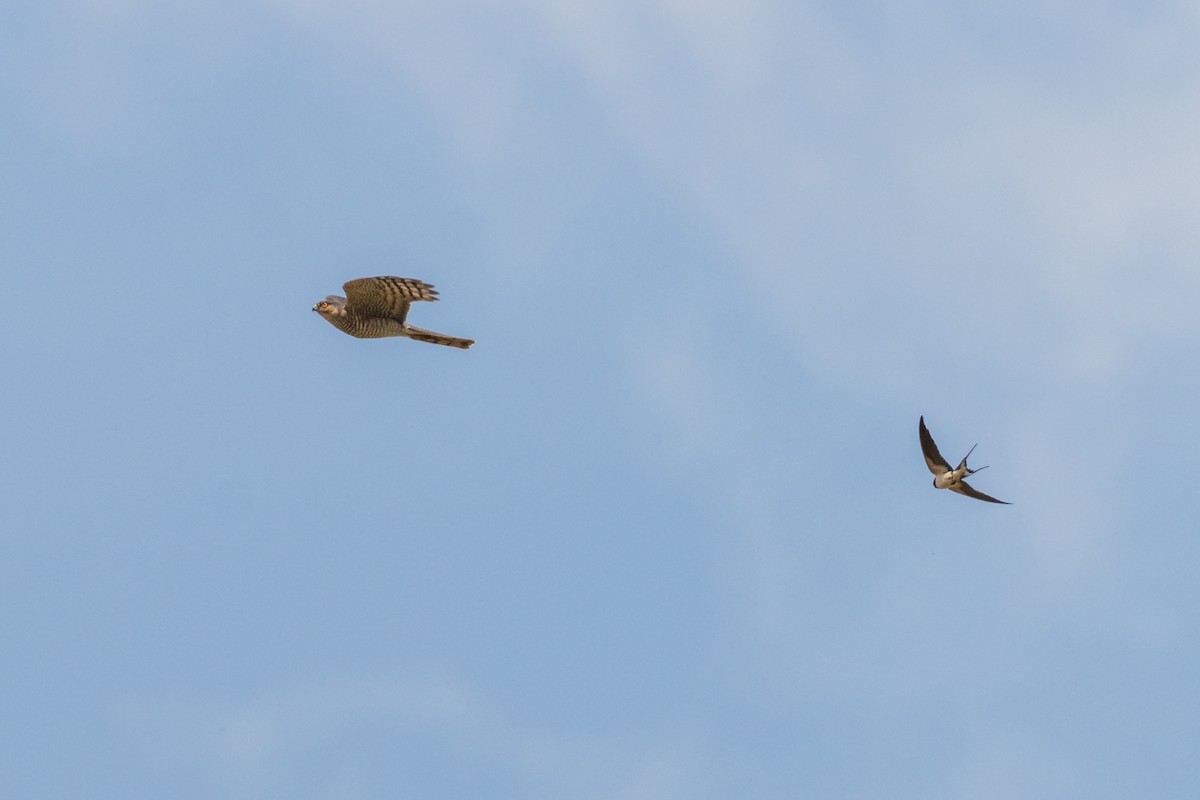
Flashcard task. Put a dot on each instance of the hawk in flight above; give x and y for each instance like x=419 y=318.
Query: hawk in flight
x=378 y=307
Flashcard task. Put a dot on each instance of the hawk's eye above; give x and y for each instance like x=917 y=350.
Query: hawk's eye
x=322 y=304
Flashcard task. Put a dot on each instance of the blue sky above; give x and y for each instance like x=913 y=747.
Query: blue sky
x=665 y=532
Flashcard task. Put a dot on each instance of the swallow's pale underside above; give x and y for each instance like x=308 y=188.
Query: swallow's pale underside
x=946 y=478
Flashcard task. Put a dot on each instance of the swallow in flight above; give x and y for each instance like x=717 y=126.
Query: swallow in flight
x=946 y=478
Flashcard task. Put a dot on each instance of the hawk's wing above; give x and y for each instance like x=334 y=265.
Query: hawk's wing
x=933 y=459
x=962 y=488
x=385 y=296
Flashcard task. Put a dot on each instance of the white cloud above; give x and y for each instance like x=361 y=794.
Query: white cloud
x=715 y=101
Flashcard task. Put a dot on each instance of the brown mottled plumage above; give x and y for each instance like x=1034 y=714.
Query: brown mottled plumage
x=378 y=307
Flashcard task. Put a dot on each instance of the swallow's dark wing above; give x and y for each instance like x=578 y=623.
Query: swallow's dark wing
x=962 y=488
x=933 y=459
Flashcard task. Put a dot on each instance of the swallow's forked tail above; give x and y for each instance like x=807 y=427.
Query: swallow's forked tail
x=963 y=463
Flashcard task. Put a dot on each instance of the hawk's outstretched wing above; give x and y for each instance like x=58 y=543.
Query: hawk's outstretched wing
x=385 y=296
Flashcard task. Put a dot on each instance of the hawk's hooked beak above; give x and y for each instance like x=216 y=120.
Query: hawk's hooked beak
x=314 y=308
